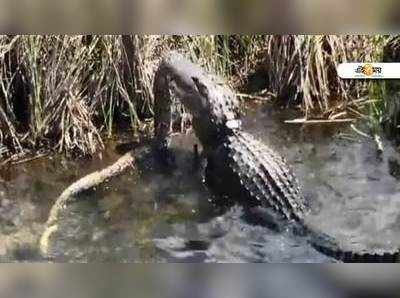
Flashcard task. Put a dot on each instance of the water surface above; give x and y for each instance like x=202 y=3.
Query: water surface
x=156 y=215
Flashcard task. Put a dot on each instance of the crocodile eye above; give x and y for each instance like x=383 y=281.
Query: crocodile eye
x=201 y=88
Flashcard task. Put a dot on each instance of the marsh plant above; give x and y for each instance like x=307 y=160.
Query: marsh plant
x=69 y=93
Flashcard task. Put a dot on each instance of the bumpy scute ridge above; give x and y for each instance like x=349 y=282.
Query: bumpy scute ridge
x=239 y=166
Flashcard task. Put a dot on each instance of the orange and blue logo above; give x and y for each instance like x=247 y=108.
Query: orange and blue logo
x=369 y=70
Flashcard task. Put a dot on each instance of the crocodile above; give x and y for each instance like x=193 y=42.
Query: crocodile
x=238 y=165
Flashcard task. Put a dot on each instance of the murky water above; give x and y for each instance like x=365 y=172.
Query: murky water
x=157 y=216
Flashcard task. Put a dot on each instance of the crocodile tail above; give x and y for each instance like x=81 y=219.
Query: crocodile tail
x=328 y=246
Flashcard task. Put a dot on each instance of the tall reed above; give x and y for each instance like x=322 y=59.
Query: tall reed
x=68 y=93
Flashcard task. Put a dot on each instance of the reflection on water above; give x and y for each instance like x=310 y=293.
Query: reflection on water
x=156 y=216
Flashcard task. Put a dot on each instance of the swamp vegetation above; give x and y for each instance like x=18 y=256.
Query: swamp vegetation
x=69 y=94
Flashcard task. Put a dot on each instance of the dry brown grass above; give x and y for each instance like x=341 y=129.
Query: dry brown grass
x=67 y=93
x=302 y=69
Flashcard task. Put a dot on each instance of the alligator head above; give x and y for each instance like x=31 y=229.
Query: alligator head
x=213 y=106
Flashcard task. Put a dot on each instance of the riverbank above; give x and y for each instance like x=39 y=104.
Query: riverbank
x=69 y=94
